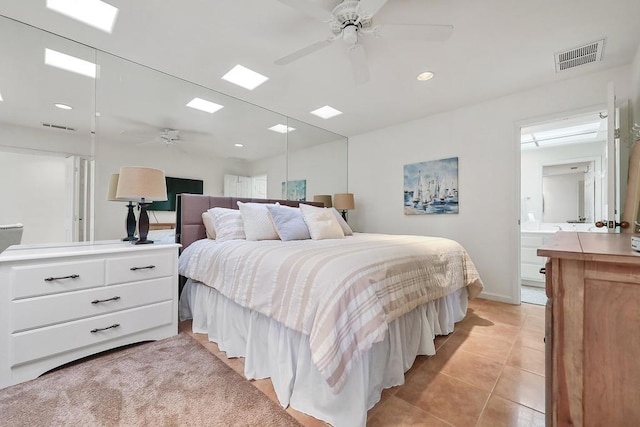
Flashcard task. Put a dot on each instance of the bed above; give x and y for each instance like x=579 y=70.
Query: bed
x=332 y=322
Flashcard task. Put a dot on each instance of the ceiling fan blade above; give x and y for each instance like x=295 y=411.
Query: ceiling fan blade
x=414 y=32
x=310 y=9
x=304 y=51
x=359 y=66
x=368 y=8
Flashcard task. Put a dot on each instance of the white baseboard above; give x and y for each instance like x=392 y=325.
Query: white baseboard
x=497 y=297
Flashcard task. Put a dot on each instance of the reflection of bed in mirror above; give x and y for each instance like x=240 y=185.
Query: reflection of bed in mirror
x=328 y=321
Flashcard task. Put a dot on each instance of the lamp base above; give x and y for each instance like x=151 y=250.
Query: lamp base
x=344 y=214
x=129 y=239
x=143 y=225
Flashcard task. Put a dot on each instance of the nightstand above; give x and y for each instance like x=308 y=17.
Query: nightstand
x=62 y=303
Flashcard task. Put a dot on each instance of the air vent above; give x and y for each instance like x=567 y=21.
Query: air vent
x=586 y=54
x=52 y=126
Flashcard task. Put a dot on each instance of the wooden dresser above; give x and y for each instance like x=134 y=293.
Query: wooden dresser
x=592 y=330
x=59 y=304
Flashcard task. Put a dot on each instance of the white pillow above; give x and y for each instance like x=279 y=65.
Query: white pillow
x=257 y=222
x=207 y=220
x=322 y=222
x=227 y=223
x=343 y=224
x=289 y=223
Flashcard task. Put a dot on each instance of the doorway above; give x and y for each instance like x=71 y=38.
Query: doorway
x=562 y=187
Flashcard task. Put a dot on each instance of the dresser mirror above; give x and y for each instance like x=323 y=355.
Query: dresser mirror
x=60 y=160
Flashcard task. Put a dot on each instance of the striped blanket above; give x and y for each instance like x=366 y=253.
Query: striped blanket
x=342 y=293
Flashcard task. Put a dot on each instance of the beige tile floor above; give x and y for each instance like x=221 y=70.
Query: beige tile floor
x=489 y=372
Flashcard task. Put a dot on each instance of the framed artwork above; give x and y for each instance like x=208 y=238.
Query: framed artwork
x=295 y=190
x=431 y=187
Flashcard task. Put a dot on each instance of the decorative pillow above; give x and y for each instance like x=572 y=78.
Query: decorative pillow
x=257 y=222
x=289 y=222
x=322 y=223
x=343 y=224
x=227 y=224
x=207 y=220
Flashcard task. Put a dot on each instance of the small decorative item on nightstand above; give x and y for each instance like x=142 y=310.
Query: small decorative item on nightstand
x=144 y=185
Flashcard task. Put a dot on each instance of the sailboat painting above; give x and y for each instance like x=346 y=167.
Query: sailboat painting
x=431 y=187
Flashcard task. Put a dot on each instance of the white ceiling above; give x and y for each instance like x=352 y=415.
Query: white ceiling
x=498 y=47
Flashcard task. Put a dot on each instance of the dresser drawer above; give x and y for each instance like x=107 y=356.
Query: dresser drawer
x=44 y=279
x=140 y=267
x=51 y=309
x=43 y=342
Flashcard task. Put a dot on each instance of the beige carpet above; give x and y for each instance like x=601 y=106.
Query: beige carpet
x=173 y=382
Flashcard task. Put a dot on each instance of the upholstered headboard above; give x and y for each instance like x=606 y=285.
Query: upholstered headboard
x=189 y=209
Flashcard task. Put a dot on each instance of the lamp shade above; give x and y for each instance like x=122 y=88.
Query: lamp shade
x=138 y=183
x=343 y=201
x=113 y=187
x=323 y=198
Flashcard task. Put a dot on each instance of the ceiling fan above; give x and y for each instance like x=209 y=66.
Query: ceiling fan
x=352 y=19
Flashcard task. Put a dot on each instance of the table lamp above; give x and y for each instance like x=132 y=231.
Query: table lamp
x=131 y=218
x=143 y=185
x=323 y=198
x=344 y=202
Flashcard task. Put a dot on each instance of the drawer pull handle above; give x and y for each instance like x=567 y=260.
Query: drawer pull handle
x=142 y=268
x=543 y=270
x=115 y=325
x=98 y=301
x=51 y=279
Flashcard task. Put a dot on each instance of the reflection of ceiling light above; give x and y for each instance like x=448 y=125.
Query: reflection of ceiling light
x=326 y=112
x=64 y=106
x=96 y=13
x=282 y=128
x=244 y=77
x=0 y=97
x=203 y=105
x=69 y=63
x=239 y=145
x=427 y=75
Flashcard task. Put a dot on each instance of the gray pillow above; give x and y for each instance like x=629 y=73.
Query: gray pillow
x=289 y=222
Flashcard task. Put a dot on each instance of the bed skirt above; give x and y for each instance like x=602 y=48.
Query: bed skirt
x=274 y=351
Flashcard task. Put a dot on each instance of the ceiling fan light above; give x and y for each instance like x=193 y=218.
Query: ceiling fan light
x=424 y=76
x=350 y=34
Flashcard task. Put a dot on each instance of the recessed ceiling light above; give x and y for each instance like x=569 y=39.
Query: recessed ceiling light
x=69 y=63
x=96 y=13
x=244 y=77
x=64 y=106
x=0 y=97
x=282 y=128
x=203 y=105
x=239 y=145
x=427 y=75
x=326 y=112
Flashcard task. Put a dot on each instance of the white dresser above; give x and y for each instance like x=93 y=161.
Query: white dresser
x=59 y=304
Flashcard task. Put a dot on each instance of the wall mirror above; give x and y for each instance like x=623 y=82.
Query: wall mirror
x=132 y=115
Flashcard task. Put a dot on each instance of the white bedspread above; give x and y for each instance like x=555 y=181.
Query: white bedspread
x=342 y=293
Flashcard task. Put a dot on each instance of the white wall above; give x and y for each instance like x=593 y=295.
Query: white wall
x=485 y=137
x=34 y=192
x=324 y=166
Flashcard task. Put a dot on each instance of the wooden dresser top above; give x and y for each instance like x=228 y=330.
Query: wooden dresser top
x=591 y=247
